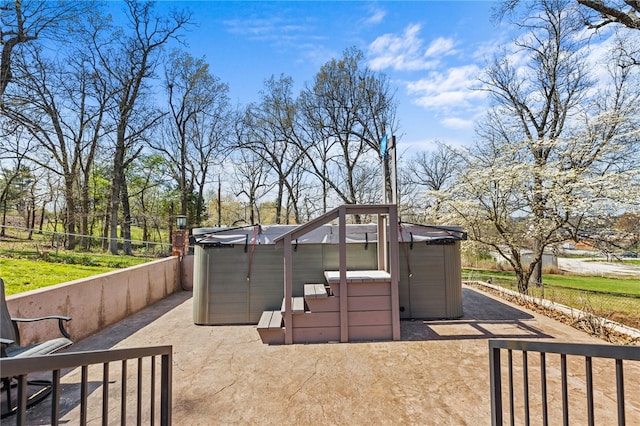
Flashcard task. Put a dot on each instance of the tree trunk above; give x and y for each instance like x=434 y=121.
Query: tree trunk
x=70 y=213
x=126 y=218
x=4 y=219
x=538 y=212
x=32 y=217
x=84 y=209
x=44 y=205
x=536 y=275
x=220 y=202
x=279 y=202
x=115 y=205
x=113 y=218
x=105 y=227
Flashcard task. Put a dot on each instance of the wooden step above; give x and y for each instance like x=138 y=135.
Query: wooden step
x=315 y=291
x=270 y=319
x=270 y=328
x=328 y=304
x=297 y=305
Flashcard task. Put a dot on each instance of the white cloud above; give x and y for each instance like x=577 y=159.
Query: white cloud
x=440 y=46
x=406 y=52
x=457 y=123
x=449 y=89
x=376 y=17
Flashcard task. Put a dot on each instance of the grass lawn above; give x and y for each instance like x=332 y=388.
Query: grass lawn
x=607 y=285
x=598 y=295
x=22 y=275
x=579 y=282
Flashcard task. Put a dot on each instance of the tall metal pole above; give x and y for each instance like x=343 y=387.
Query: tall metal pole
x=394 y=172
x=384 y=179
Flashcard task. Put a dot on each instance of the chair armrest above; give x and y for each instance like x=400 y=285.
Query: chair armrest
x=60 y=319
x=3 y=344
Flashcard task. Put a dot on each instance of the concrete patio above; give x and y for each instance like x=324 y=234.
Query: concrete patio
x=438 y=374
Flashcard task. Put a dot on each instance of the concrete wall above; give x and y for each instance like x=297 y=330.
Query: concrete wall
x=96 y=302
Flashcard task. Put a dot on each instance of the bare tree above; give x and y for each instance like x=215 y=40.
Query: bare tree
x=15 y=150
x=197 y=128
x=624 y=12
x=347 y=110
x=129 y=60
x=319 y=149
x=55 y=102
x=595 y=14
x=252 y=181
x=426 y=174
x=270 y=132
x=26 y=21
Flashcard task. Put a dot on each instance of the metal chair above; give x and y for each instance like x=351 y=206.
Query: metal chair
x=10 y=348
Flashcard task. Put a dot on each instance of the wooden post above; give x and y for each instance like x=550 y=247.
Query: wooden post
x=288 y=290
x=382 y=242
x=344 y=307
x=394 y=270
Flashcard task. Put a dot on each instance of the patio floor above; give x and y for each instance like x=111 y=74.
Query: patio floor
x=438 y=374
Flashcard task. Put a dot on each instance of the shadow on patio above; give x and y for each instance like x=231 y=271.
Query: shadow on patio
x=437 y=374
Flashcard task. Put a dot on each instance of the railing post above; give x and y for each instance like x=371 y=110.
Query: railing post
x=21 y=415
x=620 y=392
x=165 y=390
x=496 y=384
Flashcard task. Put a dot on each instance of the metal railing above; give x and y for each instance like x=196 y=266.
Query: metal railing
x=19 y=368
x=588 y=352
x=615 y=306
x=34 y=239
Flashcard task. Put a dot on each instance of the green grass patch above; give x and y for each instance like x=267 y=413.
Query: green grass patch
x=591 y=283
x=22 y=275
x=28 y=264
x=579 y=282
x=603 y=297
x=30 y=273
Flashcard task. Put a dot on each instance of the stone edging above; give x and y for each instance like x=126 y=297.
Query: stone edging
x=612 y=325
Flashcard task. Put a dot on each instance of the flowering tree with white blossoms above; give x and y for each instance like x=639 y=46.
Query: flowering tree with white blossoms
x=558 y=149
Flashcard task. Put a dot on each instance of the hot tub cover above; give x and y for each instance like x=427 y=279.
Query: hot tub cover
x=325 y=234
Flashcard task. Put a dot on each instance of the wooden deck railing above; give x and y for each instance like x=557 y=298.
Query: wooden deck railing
x=582 y=382
x=145 y=411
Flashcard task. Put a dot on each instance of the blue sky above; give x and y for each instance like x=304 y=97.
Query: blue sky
x=431 y=51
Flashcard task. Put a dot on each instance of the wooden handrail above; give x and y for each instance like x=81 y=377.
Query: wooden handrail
x=332 y=215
